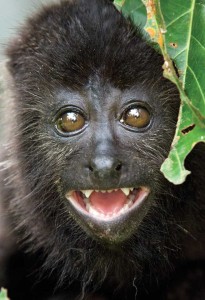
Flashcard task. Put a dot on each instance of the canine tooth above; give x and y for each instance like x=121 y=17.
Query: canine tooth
x=87 y=193
x=126 y=191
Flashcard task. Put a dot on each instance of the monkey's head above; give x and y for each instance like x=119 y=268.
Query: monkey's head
x=95 y=120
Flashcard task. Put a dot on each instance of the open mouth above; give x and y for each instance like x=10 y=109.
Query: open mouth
x=107 y=205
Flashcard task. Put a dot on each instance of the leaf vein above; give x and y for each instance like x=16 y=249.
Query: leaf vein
x=202 y=46
x=178 y=160
x=179 y=17
x=197 y=82
x=189 y=39
x=201 y=4
x=180 y=53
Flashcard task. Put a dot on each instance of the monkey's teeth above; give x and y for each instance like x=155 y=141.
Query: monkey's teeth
x=96 y=213
x=131 y=197
x=126 y=191
x=87 y=193
x=125 y=208
x=92 y=211
x=83 y=201
x=86 y=200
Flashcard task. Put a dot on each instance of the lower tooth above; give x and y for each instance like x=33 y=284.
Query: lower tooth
x=93 y=211
x=126 y=206
x=130 y=204
x=131 y=197
x=88 y=206
x=86 y=200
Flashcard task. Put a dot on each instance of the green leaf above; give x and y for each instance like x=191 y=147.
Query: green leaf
x=185 y=43
x=3 y=295
x=178 y=27
x=135 y=9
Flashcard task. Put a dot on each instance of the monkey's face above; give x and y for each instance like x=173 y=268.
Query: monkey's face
x=107 y=146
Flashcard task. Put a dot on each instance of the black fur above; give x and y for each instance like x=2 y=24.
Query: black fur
x=87 y=50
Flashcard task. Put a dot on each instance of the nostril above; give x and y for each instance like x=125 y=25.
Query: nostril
x=91 y=168
x=118 y=167
x=105 y=167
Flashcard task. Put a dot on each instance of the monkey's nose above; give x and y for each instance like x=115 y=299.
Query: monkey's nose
x=105 y=168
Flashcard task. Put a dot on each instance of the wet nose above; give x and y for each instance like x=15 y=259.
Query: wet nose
x=105 y=167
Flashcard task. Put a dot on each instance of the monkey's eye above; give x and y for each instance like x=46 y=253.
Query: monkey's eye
x=136 y=117
x=70 y=121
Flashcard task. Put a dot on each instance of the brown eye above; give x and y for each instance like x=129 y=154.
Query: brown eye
x=136 y=117
x=70 y=121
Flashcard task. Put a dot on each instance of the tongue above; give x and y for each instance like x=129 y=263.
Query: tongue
x=108 y=203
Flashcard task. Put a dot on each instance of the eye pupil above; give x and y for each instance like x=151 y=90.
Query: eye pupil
x=70 y=121
x=136 y=117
